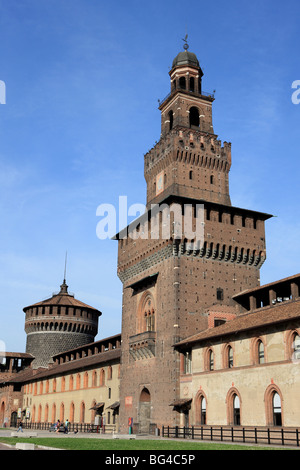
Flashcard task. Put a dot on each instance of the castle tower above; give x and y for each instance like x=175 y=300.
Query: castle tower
x=175 y=286
x=58 y=324
x=189 y=160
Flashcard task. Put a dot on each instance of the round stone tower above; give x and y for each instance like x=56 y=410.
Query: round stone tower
x=58 y=324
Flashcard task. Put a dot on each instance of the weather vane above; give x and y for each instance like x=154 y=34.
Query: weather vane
x=186 y=46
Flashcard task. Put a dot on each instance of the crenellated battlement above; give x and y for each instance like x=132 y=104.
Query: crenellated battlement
x=188 y=163
x=198 y=148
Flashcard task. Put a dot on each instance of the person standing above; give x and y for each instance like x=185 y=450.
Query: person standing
x=66 y=426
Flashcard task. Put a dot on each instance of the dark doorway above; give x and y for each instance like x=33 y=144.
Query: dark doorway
x=145 y=411
x=13 y=419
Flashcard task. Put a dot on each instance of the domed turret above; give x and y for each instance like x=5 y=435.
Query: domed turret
x=186 y=58
x=58 y=324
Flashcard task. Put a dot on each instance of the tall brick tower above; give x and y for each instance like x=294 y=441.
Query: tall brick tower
x=172 y=286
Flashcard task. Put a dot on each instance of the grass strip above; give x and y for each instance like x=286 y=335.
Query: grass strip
x=123 y=444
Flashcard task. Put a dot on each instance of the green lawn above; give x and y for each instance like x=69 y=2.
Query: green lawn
x=119 y=444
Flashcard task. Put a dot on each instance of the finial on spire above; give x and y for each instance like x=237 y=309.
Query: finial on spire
x=65 y=266
x=185 y=46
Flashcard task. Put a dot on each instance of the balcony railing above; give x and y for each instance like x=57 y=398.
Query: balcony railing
x=203 y=93
x=142 y=345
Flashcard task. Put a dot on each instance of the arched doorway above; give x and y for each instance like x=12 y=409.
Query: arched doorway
x=145 y=411
x=14 y=419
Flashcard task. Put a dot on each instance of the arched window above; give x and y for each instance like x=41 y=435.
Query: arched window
x=258 y=355
x=194 y=117
x=171 y=120
x=200 y=408
x=102 y=377
x=82 y=412
x=273 y=402
x=228 y=357
x=62 y=412
x=78 y=380
x=86 y=380
x=277 y=420
x=192 y=84
x=150 y=320
x=182 y=83
x=203 y=411
x=296 y=347
x=39 y=418
x=233 y=402
x=72 y=412
x=236 y=411
x=209 y=359
x=146 y=314
x=260 y=352
x=53 y=417
x=94 y=379
x=46 y=418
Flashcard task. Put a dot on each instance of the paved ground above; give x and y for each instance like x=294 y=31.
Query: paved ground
x=2 y=447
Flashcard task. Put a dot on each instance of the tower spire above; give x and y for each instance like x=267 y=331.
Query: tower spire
x=65 y=266
x=64 y=287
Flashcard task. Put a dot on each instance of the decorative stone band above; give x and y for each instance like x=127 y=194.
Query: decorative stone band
x=220 y=253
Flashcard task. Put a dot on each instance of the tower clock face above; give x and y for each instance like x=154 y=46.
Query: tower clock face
x=159 y=183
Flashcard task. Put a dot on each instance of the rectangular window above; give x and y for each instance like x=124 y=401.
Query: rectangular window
x=188 y=362
x=220 y=294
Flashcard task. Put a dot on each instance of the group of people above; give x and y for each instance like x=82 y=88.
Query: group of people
x=58 y=425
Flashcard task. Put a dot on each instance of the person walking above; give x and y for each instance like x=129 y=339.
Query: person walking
x=20 y=428
x=57 y=425
x=66 y=426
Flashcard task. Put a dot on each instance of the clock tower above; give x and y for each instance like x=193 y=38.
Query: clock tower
x=172 y=286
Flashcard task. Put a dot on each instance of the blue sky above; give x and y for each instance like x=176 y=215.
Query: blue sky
x=82 y=82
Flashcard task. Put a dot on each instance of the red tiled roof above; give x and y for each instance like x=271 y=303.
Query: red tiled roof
x=278 y=313
x=63 y=300
x=78 y=364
